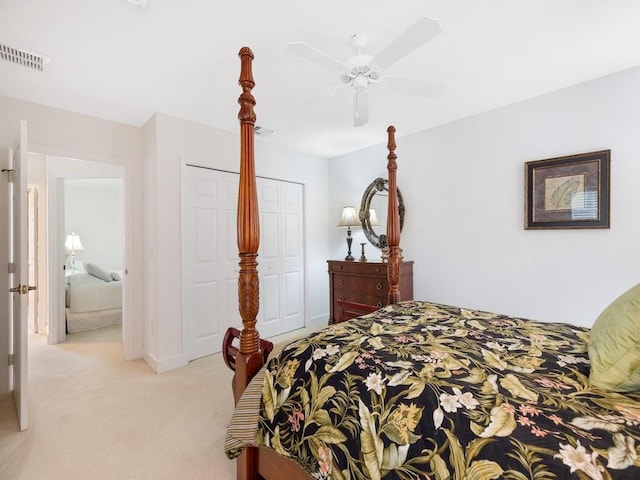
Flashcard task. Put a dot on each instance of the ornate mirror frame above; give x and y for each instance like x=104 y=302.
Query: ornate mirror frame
x=378 y=185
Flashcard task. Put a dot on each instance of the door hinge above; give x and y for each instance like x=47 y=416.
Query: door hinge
x=10 y=359
x=12 y=267
x=9 y=174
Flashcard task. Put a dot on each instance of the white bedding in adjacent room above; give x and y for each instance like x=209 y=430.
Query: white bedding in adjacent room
x=92 y=302
x=87 y=293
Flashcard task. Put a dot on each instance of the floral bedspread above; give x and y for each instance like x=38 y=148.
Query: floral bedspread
x=427 y=391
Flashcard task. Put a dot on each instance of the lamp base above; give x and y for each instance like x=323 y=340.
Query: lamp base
x=349 y=257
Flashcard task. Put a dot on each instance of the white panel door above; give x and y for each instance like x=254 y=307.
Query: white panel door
x=210 y=287
x=209 y=269
x=19 y=277
x=292 y=212
x=280 y=257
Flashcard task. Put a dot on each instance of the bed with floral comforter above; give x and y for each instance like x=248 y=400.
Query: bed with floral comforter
x=427 y=391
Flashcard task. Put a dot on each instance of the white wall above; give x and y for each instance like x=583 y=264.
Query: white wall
x=172 y=142
x=463 y=186
x=94 y=210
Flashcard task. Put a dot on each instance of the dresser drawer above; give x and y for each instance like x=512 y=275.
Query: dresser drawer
x=357 y=297
x=364 y=283
x=360 y=268
x=360 y=283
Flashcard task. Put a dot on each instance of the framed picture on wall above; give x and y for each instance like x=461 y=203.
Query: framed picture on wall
x=568 y=192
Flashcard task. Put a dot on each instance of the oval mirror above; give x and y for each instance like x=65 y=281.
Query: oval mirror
x=374 y=204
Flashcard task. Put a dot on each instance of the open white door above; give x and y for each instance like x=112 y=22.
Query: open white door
x=19 y=275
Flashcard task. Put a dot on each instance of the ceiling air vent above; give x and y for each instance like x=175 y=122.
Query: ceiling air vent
x=24 y=58
x=261 y=131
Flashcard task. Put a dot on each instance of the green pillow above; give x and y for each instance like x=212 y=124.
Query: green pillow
x=614 y=344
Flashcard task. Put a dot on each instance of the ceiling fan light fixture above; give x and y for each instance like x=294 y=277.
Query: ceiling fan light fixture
x=362 y=69
x=360 y=83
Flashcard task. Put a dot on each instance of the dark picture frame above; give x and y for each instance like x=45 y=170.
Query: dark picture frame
x=568 y=192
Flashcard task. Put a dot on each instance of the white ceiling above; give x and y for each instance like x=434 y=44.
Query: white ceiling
x=111 y=60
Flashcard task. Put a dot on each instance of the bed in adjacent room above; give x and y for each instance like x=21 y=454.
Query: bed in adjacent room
x=93 y=299
x=421 y=390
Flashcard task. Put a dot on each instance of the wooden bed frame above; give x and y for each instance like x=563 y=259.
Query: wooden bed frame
x=247 y=358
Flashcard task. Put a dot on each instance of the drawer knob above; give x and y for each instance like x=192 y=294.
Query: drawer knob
x=378 y=269
x=341 y=297
x=339 y=267
x=341 y=282
x=379 y=286
x=379 y=305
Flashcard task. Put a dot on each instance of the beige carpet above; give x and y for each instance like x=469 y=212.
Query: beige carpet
x=96 y=416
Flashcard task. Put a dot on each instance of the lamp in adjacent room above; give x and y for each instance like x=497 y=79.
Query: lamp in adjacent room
x=73 y=244
x=349 y=218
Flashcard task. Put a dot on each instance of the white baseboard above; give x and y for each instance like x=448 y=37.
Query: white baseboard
x=165 y=364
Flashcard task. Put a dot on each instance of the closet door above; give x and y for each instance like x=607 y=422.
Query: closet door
x=280 y=257
x=210 y=259
x=210 y=286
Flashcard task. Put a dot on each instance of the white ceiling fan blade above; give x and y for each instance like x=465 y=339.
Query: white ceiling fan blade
x=417 y=34
x=360 y=108
x=413 y=86
x=314 y=55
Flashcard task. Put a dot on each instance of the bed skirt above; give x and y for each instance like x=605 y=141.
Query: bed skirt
x=81 y=322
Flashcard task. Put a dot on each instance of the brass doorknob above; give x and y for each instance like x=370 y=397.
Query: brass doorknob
x=22 y=289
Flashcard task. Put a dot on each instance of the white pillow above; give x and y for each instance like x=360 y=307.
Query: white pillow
x=96 y=271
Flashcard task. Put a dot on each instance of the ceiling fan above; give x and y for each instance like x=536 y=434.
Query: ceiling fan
x=362 y=69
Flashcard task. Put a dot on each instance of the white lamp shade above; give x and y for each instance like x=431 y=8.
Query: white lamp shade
x=373 y=218
x=73 y=243
x=349 y=217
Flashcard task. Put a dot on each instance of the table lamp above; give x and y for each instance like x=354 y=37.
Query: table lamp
x=349 y=218
x=73 y=244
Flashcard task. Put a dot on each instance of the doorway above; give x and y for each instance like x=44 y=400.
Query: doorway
x=48 y=175
x=94 y=261
x=33 y=298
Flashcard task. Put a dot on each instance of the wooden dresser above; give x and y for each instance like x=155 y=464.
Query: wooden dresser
x=364 y=282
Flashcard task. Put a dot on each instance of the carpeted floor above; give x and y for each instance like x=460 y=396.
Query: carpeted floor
x=94 y=415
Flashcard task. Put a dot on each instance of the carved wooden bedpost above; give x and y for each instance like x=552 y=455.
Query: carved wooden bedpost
x=249 y=360
x=393 y=221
